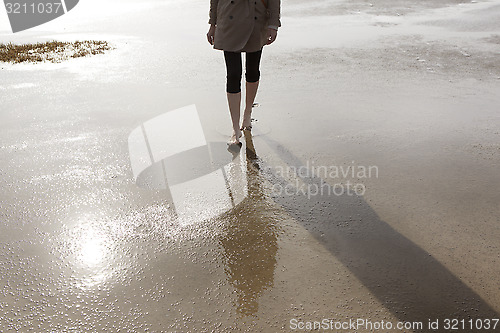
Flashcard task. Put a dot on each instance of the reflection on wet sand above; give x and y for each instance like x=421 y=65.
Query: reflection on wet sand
x=90 y=248
x=402 y=276
x=250 y=240
x=207 y=182
x=201 y=180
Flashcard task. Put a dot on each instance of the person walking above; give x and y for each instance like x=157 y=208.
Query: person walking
x=238 y=26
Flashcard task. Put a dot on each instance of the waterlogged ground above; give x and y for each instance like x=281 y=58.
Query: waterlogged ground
x=410 y=88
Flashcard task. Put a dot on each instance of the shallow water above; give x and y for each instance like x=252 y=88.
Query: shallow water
x=87 y=245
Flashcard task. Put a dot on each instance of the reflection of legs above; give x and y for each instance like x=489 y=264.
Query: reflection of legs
x=252 y=75
x=250 y=149
x=250 y=243
x=233 y=88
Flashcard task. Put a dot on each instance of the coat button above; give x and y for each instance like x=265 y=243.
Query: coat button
x=255 y=17
x=255 y=2
x=231 y=17
x=232 y=1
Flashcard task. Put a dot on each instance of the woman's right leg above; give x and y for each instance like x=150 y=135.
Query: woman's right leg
x=233 y=89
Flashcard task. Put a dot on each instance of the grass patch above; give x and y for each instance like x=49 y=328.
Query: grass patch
x=51 y=51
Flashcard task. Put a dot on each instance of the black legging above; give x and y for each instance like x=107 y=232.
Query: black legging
x=234 y=69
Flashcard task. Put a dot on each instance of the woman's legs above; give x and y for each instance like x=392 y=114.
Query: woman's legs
x=233 y=89
x=252 y=74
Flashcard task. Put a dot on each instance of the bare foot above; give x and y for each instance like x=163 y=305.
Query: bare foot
x=235 y=138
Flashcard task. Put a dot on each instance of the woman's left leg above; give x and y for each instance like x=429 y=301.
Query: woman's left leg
x=252 y=74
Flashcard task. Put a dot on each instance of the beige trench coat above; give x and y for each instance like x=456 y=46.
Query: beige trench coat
x=241 y=25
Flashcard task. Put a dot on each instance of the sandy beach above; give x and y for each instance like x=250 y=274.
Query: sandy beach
x=108 y=223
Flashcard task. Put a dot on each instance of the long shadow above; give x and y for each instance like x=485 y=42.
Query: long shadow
x=406 y=279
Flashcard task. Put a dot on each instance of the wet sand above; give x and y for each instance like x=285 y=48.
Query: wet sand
x=409 y=87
